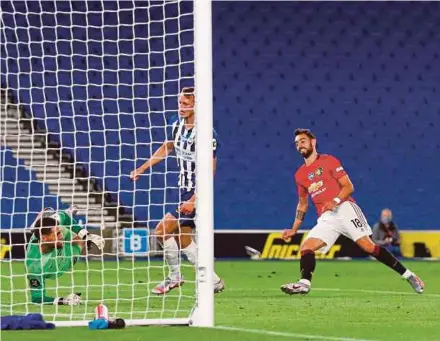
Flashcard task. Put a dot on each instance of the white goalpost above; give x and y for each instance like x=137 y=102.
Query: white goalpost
x=204 y=313
x=87 y=93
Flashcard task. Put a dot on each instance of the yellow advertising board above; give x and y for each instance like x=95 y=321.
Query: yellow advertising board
x=415 y=243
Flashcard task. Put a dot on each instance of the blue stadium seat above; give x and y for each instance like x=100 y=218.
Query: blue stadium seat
x=23 y=196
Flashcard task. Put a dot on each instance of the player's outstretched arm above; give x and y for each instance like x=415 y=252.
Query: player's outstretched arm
x=301 y=210
x=164 y=150
x=76 y=240
x=66 y=219
x=214 y=165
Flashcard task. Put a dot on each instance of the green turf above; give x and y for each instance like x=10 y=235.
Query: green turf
x=342 y=304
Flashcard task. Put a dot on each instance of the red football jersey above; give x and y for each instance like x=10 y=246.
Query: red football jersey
x=320 y=180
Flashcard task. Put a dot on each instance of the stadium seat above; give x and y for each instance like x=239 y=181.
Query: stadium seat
x=22 y=193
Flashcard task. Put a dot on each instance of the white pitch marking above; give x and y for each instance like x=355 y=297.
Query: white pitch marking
x=286 y=334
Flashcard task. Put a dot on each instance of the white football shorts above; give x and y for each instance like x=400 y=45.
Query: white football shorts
x=347 y=220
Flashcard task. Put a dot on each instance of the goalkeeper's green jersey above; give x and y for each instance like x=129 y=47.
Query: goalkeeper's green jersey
x=53 y=264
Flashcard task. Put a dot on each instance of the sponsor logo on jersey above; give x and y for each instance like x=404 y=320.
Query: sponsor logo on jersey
x=185 y=155
x=187 y=139
x=315 y=186
x=311 y=176
x=319 y=171
x=318 y=192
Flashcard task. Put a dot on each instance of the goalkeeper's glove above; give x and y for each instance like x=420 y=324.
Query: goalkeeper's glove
x=92 y=239
x=71 y=299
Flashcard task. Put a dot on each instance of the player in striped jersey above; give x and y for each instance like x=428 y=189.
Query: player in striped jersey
x=181 y=222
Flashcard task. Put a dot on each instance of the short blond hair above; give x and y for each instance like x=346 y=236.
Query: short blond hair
x=188 y=91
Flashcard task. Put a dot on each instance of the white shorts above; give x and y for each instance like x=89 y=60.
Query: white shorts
x=347 y=220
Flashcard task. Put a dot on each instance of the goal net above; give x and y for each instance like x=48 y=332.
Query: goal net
x=88 y=92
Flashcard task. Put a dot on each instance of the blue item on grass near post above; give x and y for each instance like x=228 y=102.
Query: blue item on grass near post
x=98 y=324
x=25 y=322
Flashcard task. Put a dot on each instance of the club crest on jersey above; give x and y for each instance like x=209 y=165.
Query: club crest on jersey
x=190 y=141
x=311 y=176
x=319 y=171
x=35 y=283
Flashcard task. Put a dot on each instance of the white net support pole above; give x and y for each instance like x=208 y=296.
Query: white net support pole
x=204 y=313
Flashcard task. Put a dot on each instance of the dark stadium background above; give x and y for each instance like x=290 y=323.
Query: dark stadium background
x=364 y=76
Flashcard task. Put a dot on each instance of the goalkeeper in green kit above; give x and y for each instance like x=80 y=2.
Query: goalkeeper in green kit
x=54 y=248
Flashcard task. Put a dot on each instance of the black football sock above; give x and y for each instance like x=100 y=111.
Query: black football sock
x=307 y=264
x=385 y=257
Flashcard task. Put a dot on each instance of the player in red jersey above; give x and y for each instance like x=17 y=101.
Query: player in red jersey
x=323 y=177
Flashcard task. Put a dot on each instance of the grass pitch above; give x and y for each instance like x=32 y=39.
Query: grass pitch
x=350 y=301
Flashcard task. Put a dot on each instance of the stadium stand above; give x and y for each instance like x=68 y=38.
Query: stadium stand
x=363 y=76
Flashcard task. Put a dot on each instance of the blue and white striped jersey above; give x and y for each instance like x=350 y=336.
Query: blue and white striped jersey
x=185 y=149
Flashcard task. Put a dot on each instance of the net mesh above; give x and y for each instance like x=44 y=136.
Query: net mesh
x=88 y=93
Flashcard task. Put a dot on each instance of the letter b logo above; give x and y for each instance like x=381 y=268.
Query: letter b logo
x=135 y=241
